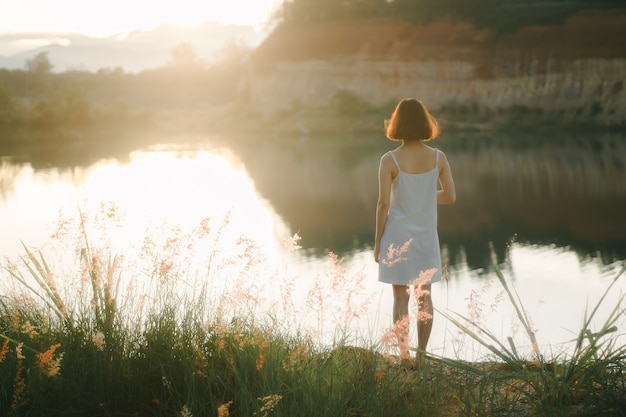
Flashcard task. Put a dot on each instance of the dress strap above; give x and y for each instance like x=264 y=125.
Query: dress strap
x=437 y=159
x=394 y=159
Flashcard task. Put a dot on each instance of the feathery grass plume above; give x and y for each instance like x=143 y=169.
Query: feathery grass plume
x=19 y=386
x=397 y=338
x=102 y=274
x=29 y=330
x=4 y=350
x=48 y=365
x=185 y=411
x=336 y=296
x=417 y=290
x=38 y=270
x=201 y=363
x=394 y=254
x=477 y=310
x=260 y=361
x=286 y=285
x=99 y=341
x=246 y=294
x=223 y=410
x=297 y=357
x=292 y=243
x=269 y=403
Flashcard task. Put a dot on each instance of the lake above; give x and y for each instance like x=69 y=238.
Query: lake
x=548 y=210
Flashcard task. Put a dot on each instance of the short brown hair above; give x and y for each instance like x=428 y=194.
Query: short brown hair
x=411 y=120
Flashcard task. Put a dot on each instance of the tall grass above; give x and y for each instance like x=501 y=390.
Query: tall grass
x=587 y=381
x=150 y=336
x=142 y=336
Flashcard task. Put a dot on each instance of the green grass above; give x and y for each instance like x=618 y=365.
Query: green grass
x=89 y=343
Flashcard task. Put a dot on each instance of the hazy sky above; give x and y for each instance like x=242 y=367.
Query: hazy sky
x=101 y=18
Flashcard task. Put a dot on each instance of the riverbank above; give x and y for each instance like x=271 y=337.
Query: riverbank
x=345 y=119
x=349 y=117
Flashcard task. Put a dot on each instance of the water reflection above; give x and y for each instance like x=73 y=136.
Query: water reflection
x=153 y=187
x=568 y=192
x=545 y=192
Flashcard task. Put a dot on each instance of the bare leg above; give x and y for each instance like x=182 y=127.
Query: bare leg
x=400 y=302
x=424 y=316
x=401 y=313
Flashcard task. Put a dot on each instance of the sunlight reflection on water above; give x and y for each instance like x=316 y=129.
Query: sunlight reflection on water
x=154 y=187
x=184 y=189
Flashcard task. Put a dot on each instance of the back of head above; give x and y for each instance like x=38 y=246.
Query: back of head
x=411 y=120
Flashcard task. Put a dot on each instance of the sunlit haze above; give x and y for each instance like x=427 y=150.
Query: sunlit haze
x=97 y=18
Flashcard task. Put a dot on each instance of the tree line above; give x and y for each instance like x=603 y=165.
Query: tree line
x=36 y=98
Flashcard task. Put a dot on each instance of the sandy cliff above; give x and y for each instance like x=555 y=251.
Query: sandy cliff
x=578 y=68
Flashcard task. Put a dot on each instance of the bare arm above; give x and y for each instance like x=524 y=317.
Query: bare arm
x=447 y=194
x=385 y=178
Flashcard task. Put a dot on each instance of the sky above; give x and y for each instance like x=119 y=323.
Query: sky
x=27 y=25
x=105 y=18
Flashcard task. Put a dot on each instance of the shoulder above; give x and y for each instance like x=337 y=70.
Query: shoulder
x=388 y=165
x=437 y=153
x=443 y=161
x=386 y=155
x=386 y=159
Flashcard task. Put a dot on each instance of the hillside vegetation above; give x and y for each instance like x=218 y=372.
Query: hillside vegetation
x=498 y=15
x=581 y=34
x=558 y=64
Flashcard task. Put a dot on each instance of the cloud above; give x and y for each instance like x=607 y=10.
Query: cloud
x=133 y=51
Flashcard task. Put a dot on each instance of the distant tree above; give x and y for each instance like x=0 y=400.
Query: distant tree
x=183 y=56
x=68 y=109
x=39 y=64
x=38 y=75
x=108 y=71
x=7 y=107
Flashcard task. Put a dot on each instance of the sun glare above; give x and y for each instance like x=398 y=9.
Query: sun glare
x=243 y=12
x=183 y=190
x=115 y=16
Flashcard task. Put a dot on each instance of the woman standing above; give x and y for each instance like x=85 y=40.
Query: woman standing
x=413 y=179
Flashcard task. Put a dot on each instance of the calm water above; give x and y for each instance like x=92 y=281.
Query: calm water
x=549 y=212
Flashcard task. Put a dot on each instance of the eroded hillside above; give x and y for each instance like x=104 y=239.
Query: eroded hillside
x=576 y=68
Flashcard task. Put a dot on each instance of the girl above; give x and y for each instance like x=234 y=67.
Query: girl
x=412 y=179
